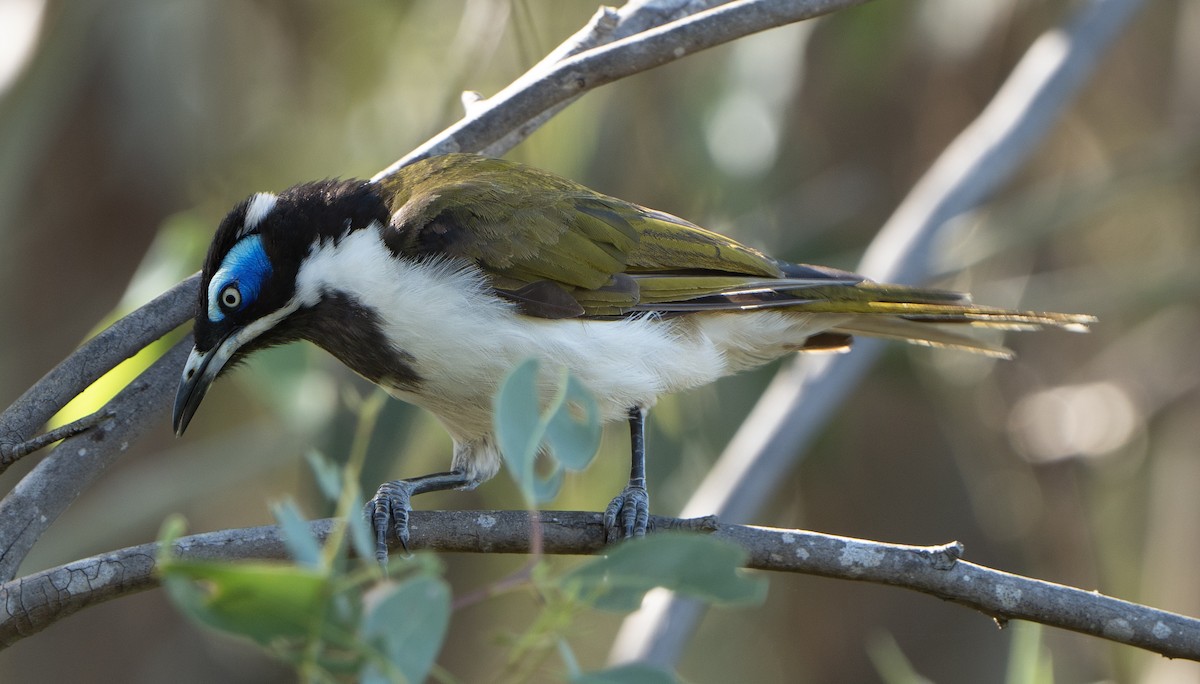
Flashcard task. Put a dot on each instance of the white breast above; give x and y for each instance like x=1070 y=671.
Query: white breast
x=464 y=339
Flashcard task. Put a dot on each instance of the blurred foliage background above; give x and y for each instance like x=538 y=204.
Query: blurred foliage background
x=128 y=128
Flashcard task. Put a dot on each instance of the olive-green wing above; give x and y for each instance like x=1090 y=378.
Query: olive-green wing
x=562 y=250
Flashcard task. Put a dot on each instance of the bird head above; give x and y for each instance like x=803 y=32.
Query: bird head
x=248 y=297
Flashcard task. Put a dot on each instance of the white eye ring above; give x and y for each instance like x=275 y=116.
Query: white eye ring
x=231 y=297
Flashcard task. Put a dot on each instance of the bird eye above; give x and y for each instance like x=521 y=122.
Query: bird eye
x=231 y=298
x=237 y=283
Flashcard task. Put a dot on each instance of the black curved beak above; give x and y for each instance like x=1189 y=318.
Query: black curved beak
x=192 y=388
x=198 y=375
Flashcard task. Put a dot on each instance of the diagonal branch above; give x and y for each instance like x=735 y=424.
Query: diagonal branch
x=541 y=88
x=35 y=602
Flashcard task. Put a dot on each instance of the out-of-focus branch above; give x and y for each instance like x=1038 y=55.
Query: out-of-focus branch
x=33 y=603
x=802 y=397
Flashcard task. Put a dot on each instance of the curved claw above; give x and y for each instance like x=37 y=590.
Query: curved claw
x=628 y=515
x=389 y=508
x=392 y=505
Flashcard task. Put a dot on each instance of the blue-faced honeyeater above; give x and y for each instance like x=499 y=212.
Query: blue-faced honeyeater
x=435 y=280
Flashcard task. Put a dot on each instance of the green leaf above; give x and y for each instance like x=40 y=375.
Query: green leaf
x=327 y=474
x=274 y=604
x=545 y=489
x=573 y=431
x=297 y=535
x=518 y=423
x=408 y=625
x=570 y=426
x=627 y=674
x=696 y=565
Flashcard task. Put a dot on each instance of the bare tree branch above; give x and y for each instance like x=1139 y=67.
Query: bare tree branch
x=35 y=602
x=807 y=392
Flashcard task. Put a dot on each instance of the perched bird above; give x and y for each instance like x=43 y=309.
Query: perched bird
x=436 y=280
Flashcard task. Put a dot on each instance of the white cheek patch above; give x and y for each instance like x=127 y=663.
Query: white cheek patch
x=257 y=209
x=222 y=354
x=258 y=327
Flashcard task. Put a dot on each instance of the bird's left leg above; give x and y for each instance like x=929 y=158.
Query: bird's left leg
x=392 y=504
x=629 y=513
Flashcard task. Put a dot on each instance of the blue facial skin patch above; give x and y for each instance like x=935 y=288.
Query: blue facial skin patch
x=247 y=267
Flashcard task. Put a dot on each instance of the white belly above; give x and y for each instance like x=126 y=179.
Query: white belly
x=463 y=340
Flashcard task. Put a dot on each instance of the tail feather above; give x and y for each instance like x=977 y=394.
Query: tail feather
x=920 y=325
x=913 y=314
x=922 y=334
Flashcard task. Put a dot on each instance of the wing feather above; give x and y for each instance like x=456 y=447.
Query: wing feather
x=522 y=226
x=560 y=250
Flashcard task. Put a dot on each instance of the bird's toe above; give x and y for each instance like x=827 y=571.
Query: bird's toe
x=628 y=515
x=389 y=509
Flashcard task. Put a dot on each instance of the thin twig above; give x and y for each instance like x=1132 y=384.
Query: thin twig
x=11 y=453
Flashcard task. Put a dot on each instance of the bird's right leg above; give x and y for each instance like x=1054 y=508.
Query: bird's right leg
x=392 y=503
x=629 y=513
